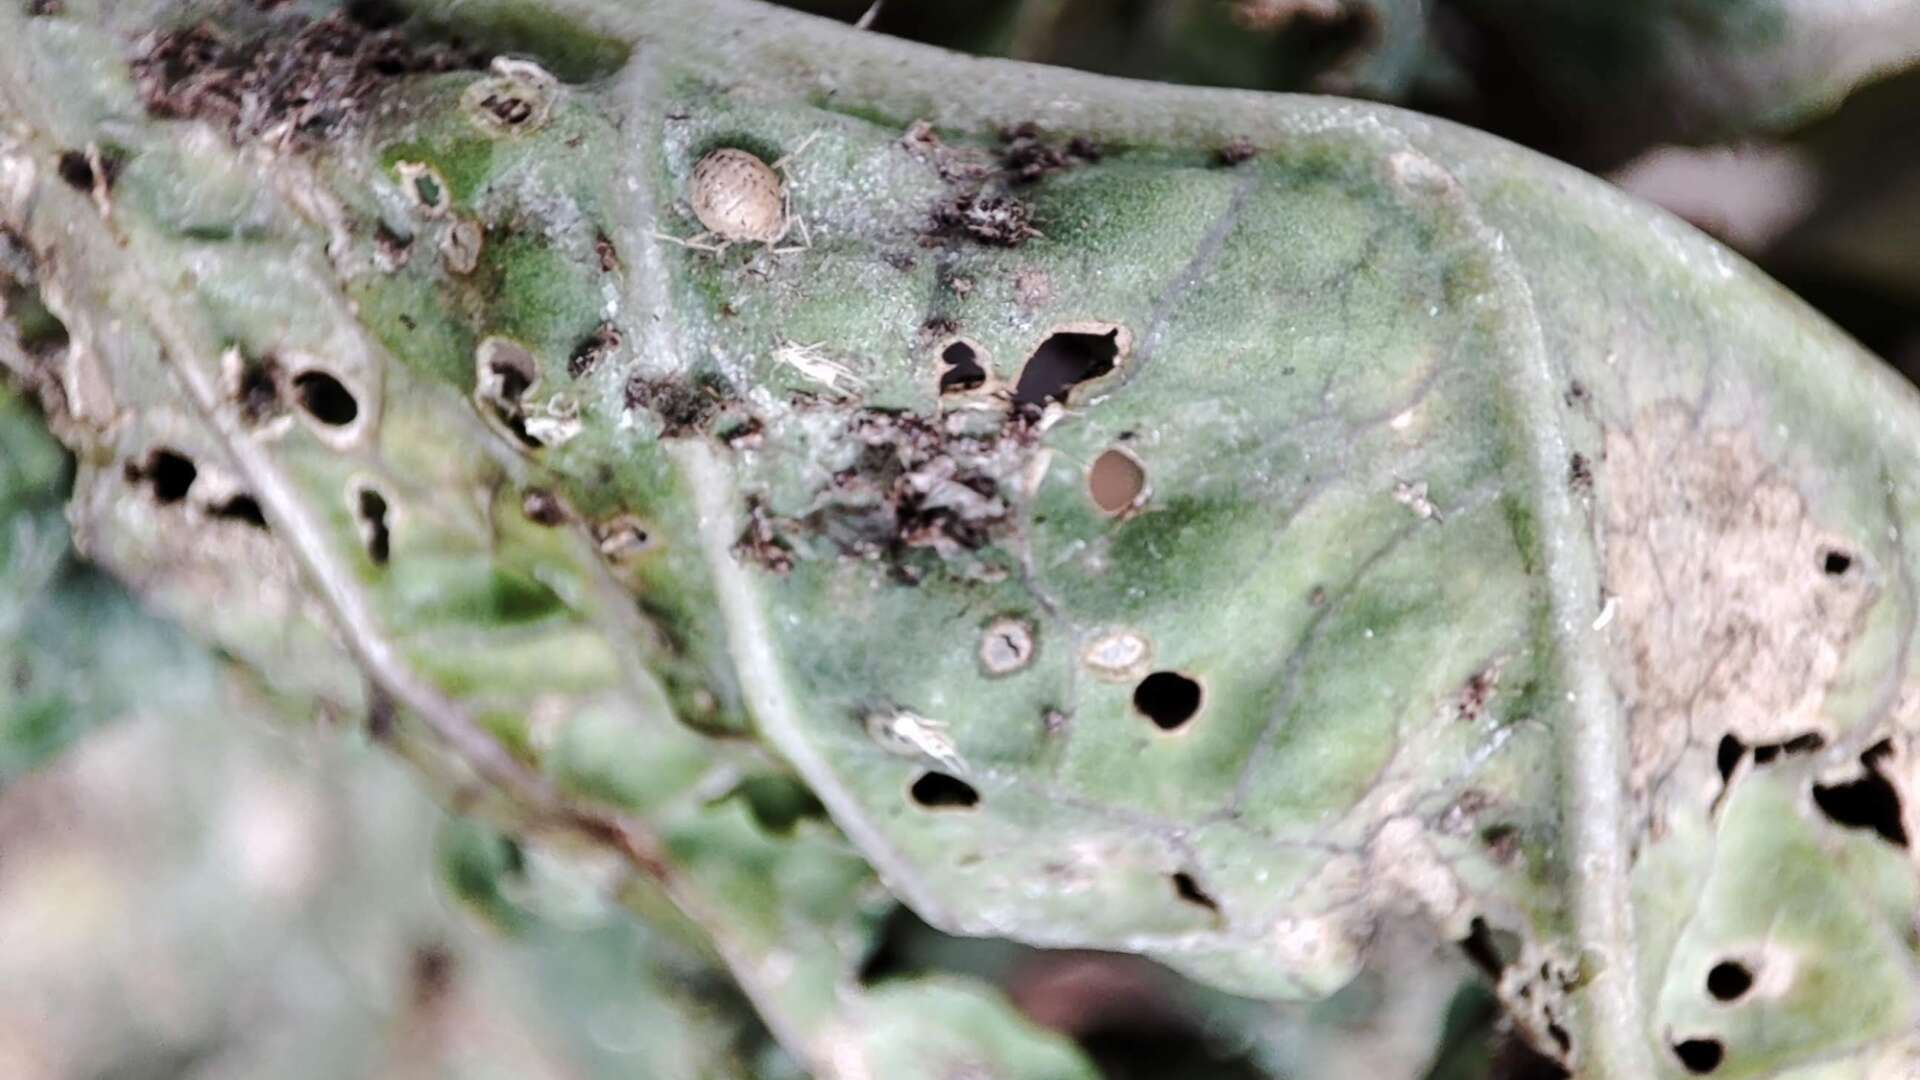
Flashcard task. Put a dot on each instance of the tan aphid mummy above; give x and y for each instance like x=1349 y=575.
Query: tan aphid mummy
x=738 y=197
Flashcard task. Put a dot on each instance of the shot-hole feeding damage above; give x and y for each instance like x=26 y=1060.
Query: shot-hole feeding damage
x=941 y=791
x=1006 y=645
x=325 y=398
x=1116 y=481
x=1729 y=980
x=168 y=473
x=504 y=372
x=1699 y=1056
x=961 y=368
x=1069 y=357
x=371 y=512
x=1168 y=698
x=1190 y=891
x=1867 y=802
x=241 y=508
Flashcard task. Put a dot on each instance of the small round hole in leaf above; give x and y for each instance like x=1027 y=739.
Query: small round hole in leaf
x=1167 y=698
x=1116 y=481
x=1700 y=1056
x=1729 y=980
x=941 y=791
x=1836 y=562
x=326 y=398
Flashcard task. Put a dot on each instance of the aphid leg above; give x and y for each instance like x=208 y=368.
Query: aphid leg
x=806 y=238
x=705 y=242
x=781 y=164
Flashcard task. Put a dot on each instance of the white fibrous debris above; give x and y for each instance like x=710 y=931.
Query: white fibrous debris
x=909 y=734
x=813 y=362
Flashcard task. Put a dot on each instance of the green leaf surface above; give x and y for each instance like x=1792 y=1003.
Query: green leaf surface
x=1387 y=525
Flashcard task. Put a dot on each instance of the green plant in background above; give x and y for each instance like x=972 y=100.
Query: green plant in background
x=1282 y=538
x=1591 y=82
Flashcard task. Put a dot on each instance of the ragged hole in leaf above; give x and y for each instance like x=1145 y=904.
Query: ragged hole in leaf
x=1116 y=481
x=372 y=509
x=427 y=188
x=961 y=369
x=168 y=472
x=39 y=331
x=1867 y=803
x=1006 y=645
x=257 y=391
x=1729 y=980
x=326 y=398
x=592 y=349
x=513 y=375
x=1064 y=361
x=1490 y=950
x=1799 y=744
x=511 y=110
x=1167 y=698
x=76 y=170
x=1728 y=756
x=1700 y=1056
x=1189 y=890
x=506 y=371
x=940 y=791
x=242 y=508
x=1515 y=1058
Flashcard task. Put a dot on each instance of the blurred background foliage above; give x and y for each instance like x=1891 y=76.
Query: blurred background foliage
x=209 y=884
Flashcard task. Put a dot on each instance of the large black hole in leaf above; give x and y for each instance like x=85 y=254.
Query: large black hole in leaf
x=1700 y=1056
x=1490 y=950
x=940 y=791
x=326 y=398
x=1867 y=803
x=960 y=369
x=169 y=472
x=1062 y=362
x=1765 y=753
x=1729 y=980
x=514 y=379
x=1167 y=698
x=1728 y=756
x=76 y=170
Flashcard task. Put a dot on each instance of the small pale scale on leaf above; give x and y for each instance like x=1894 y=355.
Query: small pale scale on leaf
x=738 y=197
